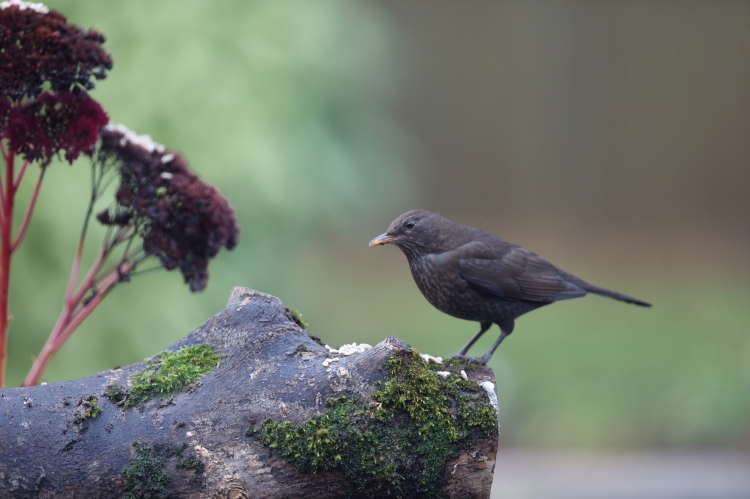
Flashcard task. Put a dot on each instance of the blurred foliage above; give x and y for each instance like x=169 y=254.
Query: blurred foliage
x=283 y=105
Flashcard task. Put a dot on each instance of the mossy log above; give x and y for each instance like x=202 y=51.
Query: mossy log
x=256 y=414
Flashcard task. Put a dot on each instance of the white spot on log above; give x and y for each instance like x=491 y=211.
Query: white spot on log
x=489 y=387
x=429 y=358
x=464 y=376
x=443 y=374
x=352 y=348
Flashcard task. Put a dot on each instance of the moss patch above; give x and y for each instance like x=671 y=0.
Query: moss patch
x=396 y=445
x=297 y=316
x=172 y=372
x=117 y=394
x=316 y=339
x=456 y=364
x=192 y=464
x=144 y=476
x=86 y=408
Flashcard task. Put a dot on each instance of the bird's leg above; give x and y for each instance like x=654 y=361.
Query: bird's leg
x=484 y=326
x=506 y=328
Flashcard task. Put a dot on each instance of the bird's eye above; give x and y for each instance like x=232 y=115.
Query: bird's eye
x=409 y=224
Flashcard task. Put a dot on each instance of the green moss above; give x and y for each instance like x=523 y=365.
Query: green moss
x=396 y=445
x=86 y=408
x=316 y=339
x=456 y=364
x=117 y=394
x=301 y=348
x=144 y=476
x=297 y=316
x=191 y=463
x=171 y=372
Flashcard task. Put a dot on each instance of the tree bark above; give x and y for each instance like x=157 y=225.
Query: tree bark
x=47 y=450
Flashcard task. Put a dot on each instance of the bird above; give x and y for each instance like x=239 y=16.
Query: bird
x=470 y=274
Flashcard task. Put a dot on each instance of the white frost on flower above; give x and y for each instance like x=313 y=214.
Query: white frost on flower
x=166 y=175
x=443 y=374
x=167 y=158
x=429 y=358
x=351 y=349
x=142 y=141
x=464 y=376
x=37 y=7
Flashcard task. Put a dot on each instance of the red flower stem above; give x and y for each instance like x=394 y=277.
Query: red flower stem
x=69 y=320
x=89 y=281
x=2 y=189
x=29 y=210
x=20 y=175
x=102 y=291
x=6 y=231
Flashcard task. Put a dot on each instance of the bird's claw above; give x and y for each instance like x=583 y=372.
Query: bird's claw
x=472 y=360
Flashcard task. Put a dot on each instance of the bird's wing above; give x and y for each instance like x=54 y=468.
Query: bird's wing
x=513 y=273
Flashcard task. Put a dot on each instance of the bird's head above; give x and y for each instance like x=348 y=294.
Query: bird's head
x=416 y=232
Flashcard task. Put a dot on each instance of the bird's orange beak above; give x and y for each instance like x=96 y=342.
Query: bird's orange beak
x=383 y=239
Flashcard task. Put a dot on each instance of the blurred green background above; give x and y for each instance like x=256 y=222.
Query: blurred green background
x=610 y=137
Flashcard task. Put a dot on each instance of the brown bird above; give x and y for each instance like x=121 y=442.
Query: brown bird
x=473 y=275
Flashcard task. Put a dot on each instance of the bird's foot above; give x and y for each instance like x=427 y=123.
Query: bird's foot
x=472 y=360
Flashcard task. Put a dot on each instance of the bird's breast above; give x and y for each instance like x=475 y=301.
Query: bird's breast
x=439 y=280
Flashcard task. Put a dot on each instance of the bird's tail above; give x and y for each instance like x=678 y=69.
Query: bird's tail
x=590 y=288
x=613 y=294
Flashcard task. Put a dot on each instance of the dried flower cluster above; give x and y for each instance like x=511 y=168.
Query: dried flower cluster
x=183 y=221
x=42 y=127
x=38 y=46
x=46 y=68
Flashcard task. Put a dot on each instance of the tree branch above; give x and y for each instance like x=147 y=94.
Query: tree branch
x=70 y=440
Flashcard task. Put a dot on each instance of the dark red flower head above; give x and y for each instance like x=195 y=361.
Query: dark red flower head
x=183 y=221
x=38 y=46
x=51 y=123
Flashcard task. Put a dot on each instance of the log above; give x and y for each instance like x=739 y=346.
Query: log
x=268 y=419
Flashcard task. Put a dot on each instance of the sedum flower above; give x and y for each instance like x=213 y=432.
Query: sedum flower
x=39 y=46
x=40 y=50
x=42 y=127
x=183 y=221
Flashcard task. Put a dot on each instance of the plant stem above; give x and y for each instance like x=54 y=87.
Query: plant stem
x=17 y=182
x=72 y=316
x=6 y=232
x=29 y=210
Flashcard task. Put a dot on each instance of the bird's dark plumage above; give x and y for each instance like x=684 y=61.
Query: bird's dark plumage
x=473 y=275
